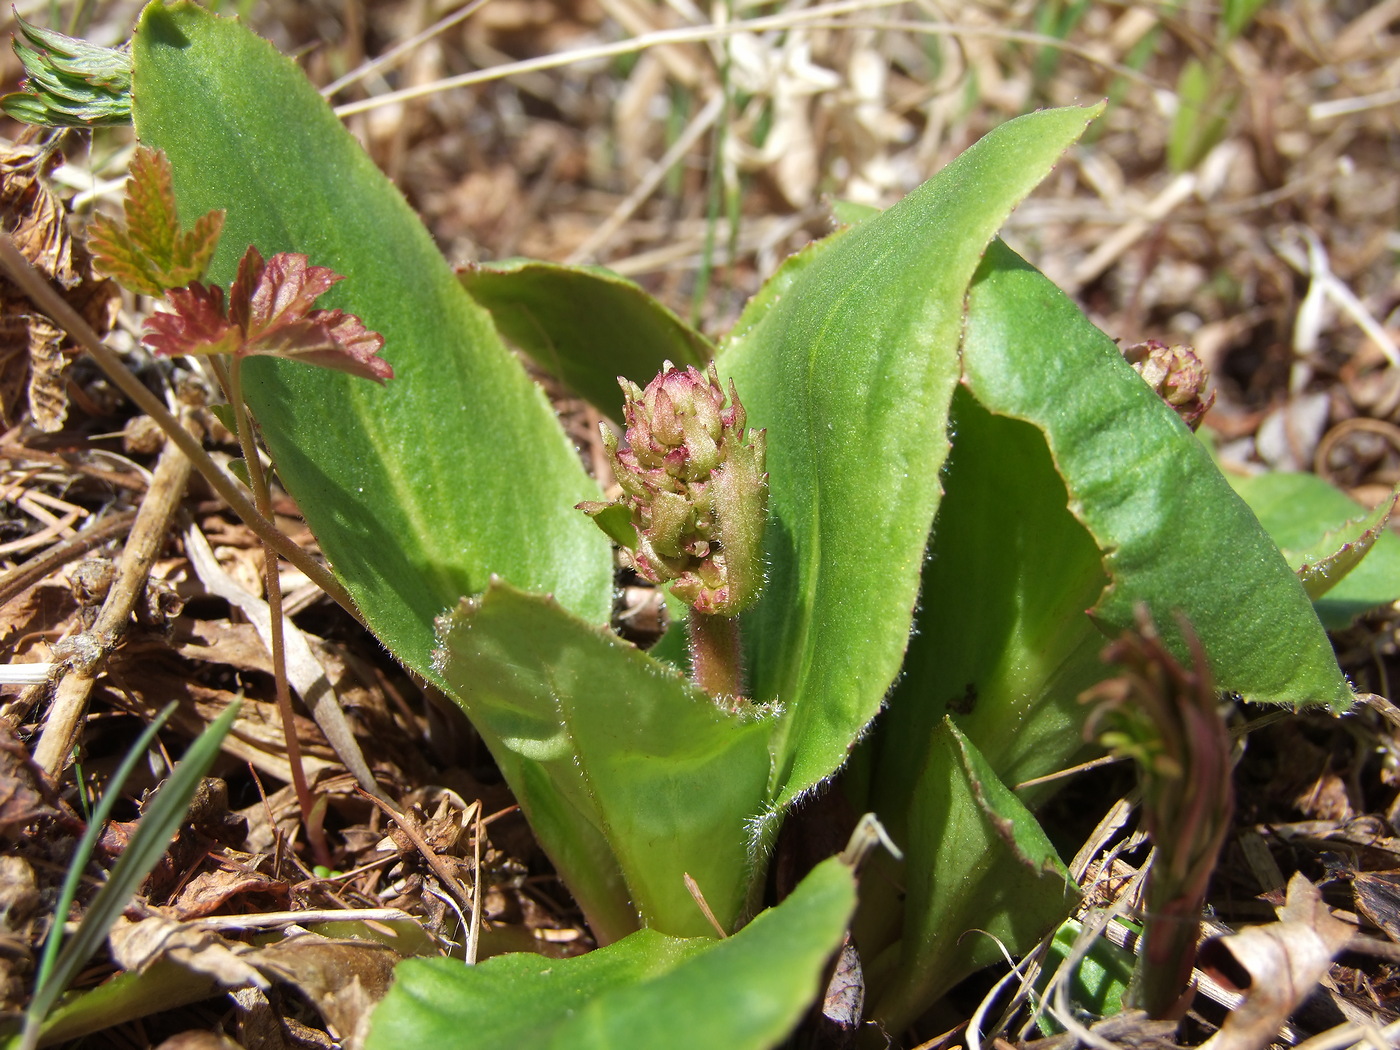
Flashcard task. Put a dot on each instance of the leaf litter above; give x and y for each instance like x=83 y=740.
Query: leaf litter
x=1274 y=260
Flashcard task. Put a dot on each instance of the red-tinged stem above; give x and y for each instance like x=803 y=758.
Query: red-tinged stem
x=715 y=655
x=310 y=819
x=37 y=287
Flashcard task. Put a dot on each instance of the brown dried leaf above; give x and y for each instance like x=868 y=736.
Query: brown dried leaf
x=23 y=799
x=48 y=396
x=136 y=945
x=1276 y=966
x=345 y=979
x=1378 y=898
x=196 y=1039
x=210 y=892
x=37 y=222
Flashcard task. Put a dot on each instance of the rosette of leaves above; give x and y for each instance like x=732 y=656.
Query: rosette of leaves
x=910 y=371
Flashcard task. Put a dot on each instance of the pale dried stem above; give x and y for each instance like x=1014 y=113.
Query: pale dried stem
x=148 y=532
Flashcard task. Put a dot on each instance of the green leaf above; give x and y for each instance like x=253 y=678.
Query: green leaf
x=849 y=360
x=153 y=253
x=585 y=326
x=978 y=869
x=1329 y=561
x=1100 y=978
x=1308 y=518
x=1004 y=642
x=743 y=993
x=418 y=490
x=1175 y=535
x=631 y=778
x=1203 y=112
x=71 y=83
x=1237 y=14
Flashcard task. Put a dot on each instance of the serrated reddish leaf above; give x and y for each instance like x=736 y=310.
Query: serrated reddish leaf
x=270 y=313
x=286 y=289
x=153 y=254
x=196 y=324
x=341 y=341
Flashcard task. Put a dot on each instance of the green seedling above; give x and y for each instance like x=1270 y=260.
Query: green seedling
x=967 y=489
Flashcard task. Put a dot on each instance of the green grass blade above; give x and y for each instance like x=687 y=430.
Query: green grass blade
x=83 y=852
x=158 y=824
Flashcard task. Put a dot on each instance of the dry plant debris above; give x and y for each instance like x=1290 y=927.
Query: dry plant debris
x=694 y=166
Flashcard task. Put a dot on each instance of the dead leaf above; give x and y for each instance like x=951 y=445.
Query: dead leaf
x=32 y=358
x=1275 y=967
x=344 y=979
x=210 y=891
x=1378 y=898
x=136 y=945
x=23 y=798
x=195 y=1039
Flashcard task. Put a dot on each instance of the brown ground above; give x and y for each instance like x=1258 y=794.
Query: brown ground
x=1232 y=253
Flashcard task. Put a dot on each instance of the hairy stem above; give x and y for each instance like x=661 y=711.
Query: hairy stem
x=311 y=818
x=716 y=662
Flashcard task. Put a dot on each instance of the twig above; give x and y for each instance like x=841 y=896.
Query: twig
x=148 y=532
x=21 y=577
x=410 y=828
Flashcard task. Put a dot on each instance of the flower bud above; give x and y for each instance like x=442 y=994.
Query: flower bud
x=1178 y=376
x=694 y=485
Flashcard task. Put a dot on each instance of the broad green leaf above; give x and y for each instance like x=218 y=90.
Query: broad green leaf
x=418 y=490
x=1301 y=512
x=630 y=777
x=1004 y=642
x=1175 y=535
x=649 y=990
x=850 y=362
x=978 y=869
x=585 y=326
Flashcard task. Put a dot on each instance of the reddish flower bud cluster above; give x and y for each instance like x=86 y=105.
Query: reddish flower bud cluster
x=694 y=487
